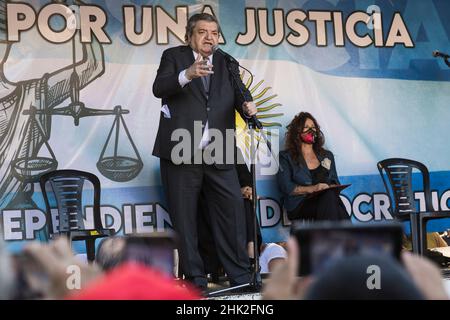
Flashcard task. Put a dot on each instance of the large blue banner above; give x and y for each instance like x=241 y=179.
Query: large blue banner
x=363 y=68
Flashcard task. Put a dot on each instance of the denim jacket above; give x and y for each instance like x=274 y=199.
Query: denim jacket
x=290 y=175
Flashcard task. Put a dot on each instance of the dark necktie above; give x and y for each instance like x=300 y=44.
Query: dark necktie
x=206 y=81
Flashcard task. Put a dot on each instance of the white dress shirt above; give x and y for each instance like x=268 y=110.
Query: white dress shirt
x=183 y=80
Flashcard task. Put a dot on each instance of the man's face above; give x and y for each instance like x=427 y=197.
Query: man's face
x=204 y=37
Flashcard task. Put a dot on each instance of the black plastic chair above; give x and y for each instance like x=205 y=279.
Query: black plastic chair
x=399 y=172
x=67 y=188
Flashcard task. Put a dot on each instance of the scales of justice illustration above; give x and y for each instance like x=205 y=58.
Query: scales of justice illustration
x=115 y=165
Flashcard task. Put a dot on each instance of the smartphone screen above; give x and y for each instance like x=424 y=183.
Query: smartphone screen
x=322 y=246
x=155 y=251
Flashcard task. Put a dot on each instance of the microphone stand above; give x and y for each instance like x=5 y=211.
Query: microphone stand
x=255 y=283
x=447 y=62
x=443 y=56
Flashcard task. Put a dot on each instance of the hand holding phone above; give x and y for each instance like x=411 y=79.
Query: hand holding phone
x=321 y=244
x=155 y=250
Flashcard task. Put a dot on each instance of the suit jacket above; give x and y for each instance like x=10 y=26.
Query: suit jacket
x=291 y=175
x=190 y=103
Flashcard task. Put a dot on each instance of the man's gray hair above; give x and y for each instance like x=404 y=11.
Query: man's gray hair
x=193 y=21
x=110 y=252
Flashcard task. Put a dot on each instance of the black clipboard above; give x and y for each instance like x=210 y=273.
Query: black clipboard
x=337 y=188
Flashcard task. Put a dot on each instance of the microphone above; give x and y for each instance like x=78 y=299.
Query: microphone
x=440 y=54
x=229 y=59
x=227 y=56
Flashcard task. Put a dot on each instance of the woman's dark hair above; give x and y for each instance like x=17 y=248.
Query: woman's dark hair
x=293 y=141
x=193 y=21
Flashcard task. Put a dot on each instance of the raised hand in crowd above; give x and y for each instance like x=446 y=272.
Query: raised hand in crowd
x=284 y=284
x=61 y=273
x=417 y=279
x=425 y=275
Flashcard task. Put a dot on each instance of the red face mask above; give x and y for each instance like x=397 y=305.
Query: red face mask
x=308 y=137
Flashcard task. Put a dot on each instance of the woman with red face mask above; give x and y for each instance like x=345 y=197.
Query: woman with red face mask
x=306 y=168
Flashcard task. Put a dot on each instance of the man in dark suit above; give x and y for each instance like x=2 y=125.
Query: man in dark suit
x=199 y=99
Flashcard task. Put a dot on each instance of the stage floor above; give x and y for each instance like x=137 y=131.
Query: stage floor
x=258 y=295
x=215 y=287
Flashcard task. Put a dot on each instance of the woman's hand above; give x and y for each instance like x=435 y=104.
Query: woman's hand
x=299 y=190
x=320 y=187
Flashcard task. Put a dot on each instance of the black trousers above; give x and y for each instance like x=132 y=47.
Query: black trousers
x=207 y=246
x=325 y=206
x=183 y=186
